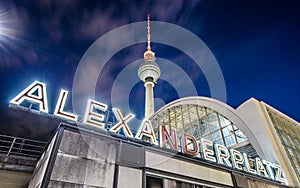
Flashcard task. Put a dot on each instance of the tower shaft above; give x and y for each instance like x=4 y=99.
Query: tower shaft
x=149 y=99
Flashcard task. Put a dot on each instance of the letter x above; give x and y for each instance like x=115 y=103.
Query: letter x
x=122 y=123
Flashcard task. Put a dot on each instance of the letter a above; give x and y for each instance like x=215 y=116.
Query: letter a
x=146 y=130
x=35 y=93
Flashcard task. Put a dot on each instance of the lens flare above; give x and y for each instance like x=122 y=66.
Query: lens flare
x=9 y=32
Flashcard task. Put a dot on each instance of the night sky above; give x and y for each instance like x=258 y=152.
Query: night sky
x=255 y=43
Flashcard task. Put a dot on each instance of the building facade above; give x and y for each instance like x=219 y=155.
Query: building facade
x=278 y=135
x=79 y=157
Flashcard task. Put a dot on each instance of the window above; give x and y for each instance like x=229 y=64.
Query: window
x=156 y=182
x=289 y=136
x=153 y=182
x=201 y=122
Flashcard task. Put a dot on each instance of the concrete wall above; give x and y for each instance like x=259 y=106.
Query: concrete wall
x=14 y=179
x=42 y=165
x=17 y=163
x=129 y=177
x=15 y=171
x=83 y=160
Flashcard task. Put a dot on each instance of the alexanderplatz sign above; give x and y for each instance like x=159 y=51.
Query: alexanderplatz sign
x=216 y=153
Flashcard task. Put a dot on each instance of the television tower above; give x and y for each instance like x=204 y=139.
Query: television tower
x=149 y=73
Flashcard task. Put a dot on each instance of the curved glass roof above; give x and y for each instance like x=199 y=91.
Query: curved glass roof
x=199 y=121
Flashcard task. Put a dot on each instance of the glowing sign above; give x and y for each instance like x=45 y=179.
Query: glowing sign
x=222 y=155
x=34 y=93
x=95 y=115
x=92 y=117
x=122 y=123
x=237 y=159
x=146 y=130
x=190 y=144
x=168 y=140
x=59 y=109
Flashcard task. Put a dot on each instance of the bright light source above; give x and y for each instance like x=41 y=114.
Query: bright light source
x=9 y=23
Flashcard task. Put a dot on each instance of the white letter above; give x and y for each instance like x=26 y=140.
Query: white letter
x=269 y=169
x=207 y=152
x=92 y=117
x=146 y=130
x=59 y=109
x=35 y=93
x=237 y=159
x=260 y=168
x=247 y=164
x=279 y=175
x=122 y=123
x=222 y=155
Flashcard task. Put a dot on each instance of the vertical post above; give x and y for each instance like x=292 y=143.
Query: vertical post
x=11 y=146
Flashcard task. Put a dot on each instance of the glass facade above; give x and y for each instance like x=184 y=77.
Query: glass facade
x=200 y=122
x=289 y=136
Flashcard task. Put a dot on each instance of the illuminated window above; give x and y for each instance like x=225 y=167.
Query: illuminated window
x=200 y=122
x=289 y=135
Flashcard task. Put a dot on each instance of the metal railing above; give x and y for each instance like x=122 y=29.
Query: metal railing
x=17 y=146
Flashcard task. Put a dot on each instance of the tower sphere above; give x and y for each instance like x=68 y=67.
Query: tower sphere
x=149 y=70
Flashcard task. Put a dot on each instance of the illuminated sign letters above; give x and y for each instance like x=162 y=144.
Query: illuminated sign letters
x=59 y=109
x=237 y=159
x=168 y=140
x=146 y=130
x=95 y=115
x=34 y=93
x=122 y=123
x=91 y=116
x=190 y=145
x=207 y=150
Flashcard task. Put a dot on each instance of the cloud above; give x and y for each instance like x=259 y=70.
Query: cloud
x=49 y=24
x=58 y=31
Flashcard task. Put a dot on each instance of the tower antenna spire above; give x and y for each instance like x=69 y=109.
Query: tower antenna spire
x=148 y=34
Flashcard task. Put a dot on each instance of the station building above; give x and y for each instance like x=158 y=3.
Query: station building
x=78 y=157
